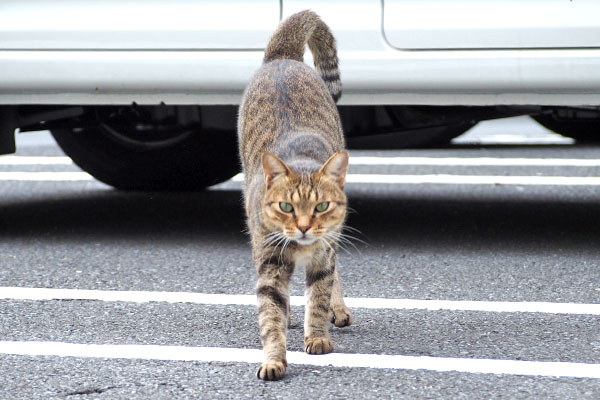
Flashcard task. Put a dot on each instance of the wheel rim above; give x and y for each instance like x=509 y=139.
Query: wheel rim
x=145 y=139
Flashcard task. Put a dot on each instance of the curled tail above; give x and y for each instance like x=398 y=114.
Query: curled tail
x=288 y=42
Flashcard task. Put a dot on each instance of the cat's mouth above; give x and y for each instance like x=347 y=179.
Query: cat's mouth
x=305 y=241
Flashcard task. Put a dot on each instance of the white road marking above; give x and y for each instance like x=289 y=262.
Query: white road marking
x=441 y=179
x=45 y=176
x=22 y=293
x=475 y=161
x=255 y=356
x=35 y=160
x=445 y=179
x=366 y=160
x=512 y=139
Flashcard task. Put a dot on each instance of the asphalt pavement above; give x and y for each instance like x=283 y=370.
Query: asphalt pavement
x=497 y=234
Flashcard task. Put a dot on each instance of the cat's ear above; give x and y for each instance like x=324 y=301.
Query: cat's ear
x=336 y=166
x=273 y=167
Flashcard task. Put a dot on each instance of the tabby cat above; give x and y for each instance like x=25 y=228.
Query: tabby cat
x=292 y=152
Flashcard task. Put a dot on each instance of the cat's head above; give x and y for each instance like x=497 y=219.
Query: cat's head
x=305 y=207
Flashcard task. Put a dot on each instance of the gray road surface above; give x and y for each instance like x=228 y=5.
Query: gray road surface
x=486 y=243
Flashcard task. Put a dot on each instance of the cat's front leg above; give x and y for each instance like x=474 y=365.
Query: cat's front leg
x=273 y=307
x=339 y=314
x=319 y=283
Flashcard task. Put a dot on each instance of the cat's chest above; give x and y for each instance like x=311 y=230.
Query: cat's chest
x=303 y=256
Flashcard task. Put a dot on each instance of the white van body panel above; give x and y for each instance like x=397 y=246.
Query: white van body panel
x=160 y=63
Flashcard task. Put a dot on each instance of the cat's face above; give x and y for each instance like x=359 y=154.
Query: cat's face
x=305 y=208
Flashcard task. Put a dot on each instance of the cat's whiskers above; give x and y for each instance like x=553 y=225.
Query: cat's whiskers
x=285 y=244
x=324 y=240
x=350 y=210
x=350 y=237
x=274 y=239
x=271 y=238
x=339 y=245
x=351 y=228
x=344 y=239
x=273 y=234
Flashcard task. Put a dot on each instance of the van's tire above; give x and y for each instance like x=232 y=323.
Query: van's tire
x=138 y=160
x=582 y=130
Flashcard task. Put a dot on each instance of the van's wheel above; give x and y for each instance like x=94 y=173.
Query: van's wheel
x=582 y=130
x=145 y=159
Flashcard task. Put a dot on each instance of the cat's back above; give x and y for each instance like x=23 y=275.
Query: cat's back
x=289 y=108
x=285 y=97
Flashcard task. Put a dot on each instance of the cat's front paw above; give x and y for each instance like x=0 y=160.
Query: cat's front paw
x=271 y=370
x=318 y=345
x=341 y=316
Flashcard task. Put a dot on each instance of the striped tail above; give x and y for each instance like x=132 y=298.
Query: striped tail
x=290 y=38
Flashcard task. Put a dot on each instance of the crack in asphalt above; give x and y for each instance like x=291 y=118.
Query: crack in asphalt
x=89 y=391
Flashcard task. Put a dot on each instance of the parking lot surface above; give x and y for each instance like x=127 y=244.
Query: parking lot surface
x=475 y=273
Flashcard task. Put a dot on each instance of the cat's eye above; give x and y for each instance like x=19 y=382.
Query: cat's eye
x=286 y=207
x=322 y=206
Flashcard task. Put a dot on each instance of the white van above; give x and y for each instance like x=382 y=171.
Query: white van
x=144 y=94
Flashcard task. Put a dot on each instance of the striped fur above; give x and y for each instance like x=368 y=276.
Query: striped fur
x=289 y=40
x=292 y=151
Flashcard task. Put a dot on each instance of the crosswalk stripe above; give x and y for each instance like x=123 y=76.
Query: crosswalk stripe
x=22 y=293
x=255 y=356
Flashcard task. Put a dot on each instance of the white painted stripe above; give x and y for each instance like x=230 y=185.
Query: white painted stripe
x=255 y=356
x=467 y=305
x=444 y=179
x=45 y=176
x=475 y=161
x=20 y=293
x=366 y=160
x=35 y=160
x=512 y=139
x=360 y=178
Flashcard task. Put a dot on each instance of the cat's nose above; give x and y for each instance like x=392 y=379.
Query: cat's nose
x=303 y=229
